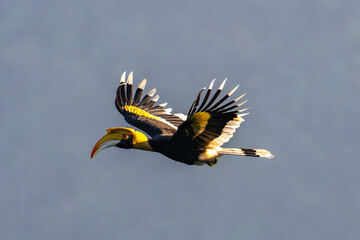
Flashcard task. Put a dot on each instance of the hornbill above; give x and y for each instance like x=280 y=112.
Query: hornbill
x=194 y=139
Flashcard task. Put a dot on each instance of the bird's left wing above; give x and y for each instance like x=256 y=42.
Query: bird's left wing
x=213 y=123
x=143 y=112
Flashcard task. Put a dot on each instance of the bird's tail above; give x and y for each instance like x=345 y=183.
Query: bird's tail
x=246 y=152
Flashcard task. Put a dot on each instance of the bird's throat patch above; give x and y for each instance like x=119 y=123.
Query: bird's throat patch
x=140 y=141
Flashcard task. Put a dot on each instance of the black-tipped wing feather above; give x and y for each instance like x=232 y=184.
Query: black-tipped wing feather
x=144 y=113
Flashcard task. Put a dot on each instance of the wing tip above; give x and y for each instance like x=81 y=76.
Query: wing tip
x=168 y=110
x=163 y=104
x=151 y=92
x=232 y=91
x=243 y=102
x=237 y=99
x=156 y=98
x=222 y=84
x=211 y=84
x=130 y=78
x=122 y=79
x=181 y=116
x=142 y=84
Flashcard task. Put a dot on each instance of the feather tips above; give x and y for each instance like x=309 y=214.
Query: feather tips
x=139 y=92
x=129 y=89
x=222 y=122
x=143 y=112
x=212 y=105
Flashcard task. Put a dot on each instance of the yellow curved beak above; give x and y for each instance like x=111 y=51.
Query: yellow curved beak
x=111 y=139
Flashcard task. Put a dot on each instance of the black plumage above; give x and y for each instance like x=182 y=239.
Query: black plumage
x=193 y=139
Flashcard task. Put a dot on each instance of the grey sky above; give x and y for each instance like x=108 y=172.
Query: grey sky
x=60 y=63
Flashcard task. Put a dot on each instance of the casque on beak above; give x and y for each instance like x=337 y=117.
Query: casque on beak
x=111 y=139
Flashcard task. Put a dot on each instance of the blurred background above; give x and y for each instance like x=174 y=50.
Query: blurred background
x=60 y=63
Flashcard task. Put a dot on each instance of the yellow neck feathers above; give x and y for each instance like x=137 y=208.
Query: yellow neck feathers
x=140 y=141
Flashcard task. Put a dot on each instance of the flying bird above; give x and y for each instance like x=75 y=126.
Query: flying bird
x=193 y=139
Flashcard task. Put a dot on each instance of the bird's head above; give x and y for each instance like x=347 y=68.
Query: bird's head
x=122 y=138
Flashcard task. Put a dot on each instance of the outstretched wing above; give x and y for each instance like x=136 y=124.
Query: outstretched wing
x=143 y=112
x=213 y=123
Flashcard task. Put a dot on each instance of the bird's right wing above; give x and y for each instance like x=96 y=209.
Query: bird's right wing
x=143 y=112
x=212 y=123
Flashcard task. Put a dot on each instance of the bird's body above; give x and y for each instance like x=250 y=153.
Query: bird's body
x=194 y=139
x=174 y=149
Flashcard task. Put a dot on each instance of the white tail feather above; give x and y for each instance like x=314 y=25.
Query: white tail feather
x=245 y=152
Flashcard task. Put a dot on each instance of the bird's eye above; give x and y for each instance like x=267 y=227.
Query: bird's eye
x=126 y=137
